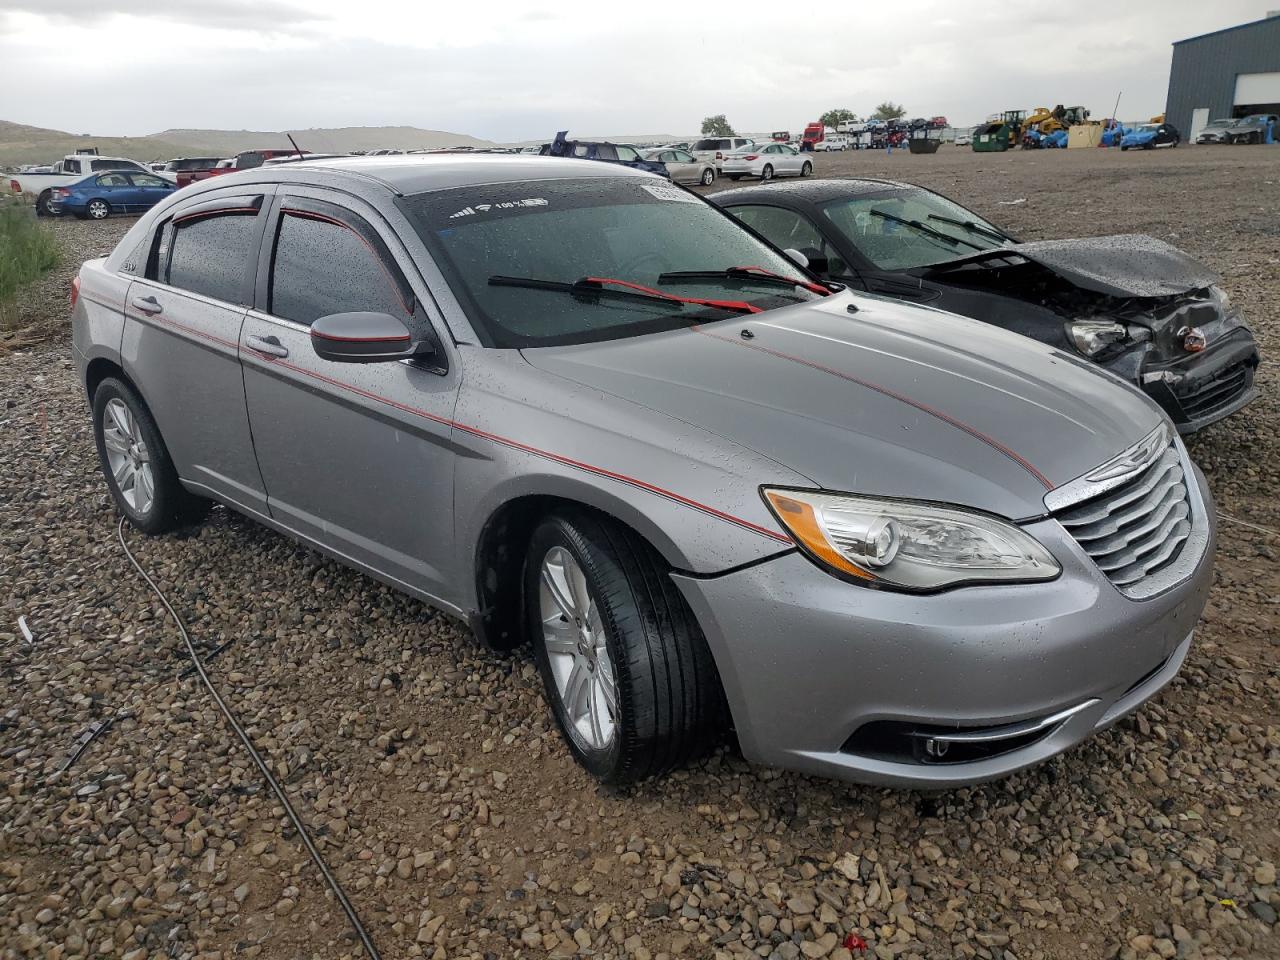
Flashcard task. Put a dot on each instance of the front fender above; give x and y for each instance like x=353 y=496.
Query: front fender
x=521 y=432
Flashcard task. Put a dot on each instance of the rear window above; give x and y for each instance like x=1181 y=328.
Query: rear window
x=711 y=145
x=113 y=165
x=195 y=163
x=209 y=255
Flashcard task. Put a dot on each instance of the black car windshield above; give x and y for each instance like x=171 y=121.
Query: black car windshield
x=905 y=229
x=525 y=259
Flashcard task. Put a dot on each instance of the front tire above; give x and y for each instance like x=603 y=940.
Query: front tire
x=98 y=209
x=767 y=173
x=708 y=177
x=807 y=169
x=136 y=463
x=624 y=664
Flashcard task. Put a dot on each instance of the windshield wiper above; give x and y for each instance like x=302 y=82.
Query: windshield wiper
x=596 y=287
x=755 y=274
x=972 y=227
x=927 y=230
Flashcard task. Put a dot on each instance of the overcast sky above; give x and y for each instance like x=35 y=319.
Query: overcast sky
x=516 y=71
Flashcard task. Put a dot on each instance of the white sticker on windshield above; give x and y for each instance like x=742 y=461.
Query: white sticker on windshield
x=504 y=205
x=666 y=192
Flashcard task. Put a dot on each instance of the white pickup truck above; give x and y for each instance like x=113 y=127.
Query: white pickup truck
x=69 y=169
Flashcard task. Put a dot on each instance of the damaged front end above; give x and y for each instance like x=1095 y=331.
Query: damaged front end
x=1136 y=306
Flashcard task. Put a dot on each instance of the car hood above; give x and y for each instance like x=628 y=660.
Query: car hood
x=891 y=400
x=1126 y=265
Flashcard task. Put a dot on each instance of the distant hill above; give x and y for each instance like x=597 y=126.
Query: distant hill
x=20 y=143
x=321 y=139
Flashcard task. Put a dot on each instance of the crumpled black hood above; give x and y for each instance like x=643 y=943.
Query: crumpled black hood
x=1127 y=265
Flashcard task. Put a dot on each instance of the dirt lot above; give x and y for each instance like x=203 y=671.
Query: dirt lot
x=444 y=799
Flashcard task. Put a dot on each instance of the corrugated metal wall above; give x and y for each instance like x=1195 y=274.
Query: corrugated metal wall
x=1204 y=69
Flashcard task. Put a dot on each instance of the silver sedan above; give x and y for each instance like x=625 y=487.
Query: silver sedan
x=766 y=162
x=683 y=167
x=875 y=540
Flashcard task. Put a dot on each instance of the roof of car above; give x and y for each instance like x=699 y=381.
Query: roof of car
x=813 y=191
x=406 y=174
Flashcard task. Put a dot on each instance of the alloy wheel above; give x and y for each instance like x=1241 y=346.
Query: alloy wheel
x=574 y=637
x=127 y=456
x=98 y=209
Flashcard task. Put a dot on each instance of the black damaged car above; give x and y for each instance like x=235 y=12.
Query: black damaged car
x=1133 y=304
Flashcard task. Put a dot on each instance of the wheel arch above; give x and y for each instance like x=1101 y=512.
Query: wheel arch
x=98 y=369
x=497 y=562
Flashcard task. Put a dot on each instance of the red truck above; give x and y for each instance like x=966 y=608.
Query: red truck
x=813 y=134
x=188 y=170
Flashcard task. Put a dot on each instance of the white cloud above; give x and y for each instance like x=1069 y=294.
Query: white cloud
x=509 y=71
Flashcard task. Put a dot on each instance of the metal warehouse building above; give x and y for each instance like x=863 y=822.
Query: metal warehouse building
x=1227 y=73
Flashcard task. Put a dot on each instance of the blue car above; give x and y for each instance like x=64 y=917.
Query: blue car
x=116 y=191
x=1151 y=135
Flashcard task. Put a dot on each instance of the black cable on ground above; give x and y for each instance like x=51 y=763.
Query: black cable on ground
x=253 y=753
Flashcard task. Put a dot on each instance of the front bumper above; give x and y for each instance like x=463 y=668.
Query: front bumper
x=1198 y=389
x=814 y=667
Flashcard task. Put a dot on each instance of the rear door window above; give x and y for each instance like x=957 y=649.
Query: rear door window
x=330 y=261
x=209 y=253
x=605 y=151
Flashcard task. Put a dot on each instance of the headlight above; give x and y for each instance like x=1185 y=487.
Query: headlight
x=1091 y=337
x=907 y=545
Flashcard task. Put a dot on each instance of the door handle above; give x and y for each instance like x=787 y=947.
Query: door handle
x=147 y=305
x=268 y=346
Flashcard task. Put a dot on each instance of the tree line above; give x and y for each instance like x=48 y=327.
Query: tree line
x=719 y=126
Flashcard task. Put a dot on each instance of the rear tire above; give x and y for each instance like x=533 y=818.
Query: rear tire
x=98 y=209
x=136 y=463
x=44 y=206
x=627 y=672
x=767 y=173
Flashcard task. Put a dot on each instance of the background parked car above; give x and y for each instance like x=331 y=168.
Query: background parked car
x=98 y=196
x=1217 y=131
x=766 y=162
x=682 y=167
x=1151 y=135
x=187 y=170
x=715 y=149
x=620 y=153
x=1254 y=128
x=70 y=169
x=831 y=142
x=249 y=159
x=1133 y=304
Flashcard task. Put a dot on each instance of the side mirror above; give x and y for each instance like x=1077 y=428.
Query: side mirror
x=366 y=338
x=797 y=256
x=817 y=263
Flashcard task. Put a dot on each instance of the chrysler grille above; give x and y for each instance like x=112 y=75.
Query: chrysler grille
x=1137 y=528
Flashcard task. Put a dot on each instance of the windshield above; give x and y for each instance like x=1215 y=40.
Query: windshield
x=880 y=226
x=562 y=232
x=1148 y=128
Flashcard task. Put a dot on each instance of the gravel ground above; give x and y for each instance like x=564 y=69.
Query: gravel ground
x=440 y=792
